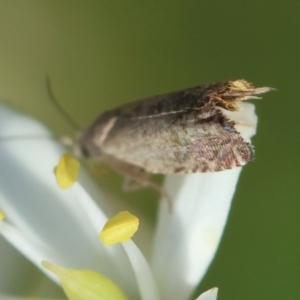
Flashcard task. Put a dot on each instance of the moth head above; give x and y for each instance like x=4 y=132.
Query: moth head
x=85 y=145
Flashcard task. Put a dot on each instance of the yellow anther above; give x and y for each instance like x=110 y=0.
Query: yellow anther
x=85 y=284
x=2 y=215
x=119 y=229
x=66 y=171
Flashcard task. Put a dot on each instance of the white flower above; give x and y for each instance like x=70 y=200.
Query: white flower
x=46 y=223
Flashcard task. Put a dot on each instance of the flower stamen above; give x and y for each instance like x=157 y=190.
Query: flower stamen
x=119 y=229
x=85 y=284
x=66 y=171
x=2 y=215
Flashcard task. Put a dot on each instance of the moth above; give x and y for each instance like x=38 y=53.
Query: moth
x=187 y=131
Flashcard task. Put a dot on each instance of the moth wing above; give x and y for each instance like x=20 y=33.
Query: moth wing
x=183 y=142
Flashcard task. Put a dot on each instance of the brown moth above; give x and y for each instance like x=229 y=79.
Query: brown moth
x=181 y=132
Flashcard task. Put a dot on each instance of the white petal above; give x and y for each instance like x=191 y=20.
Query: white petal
x=209 y=295
x=186 y=240
x=50 y=216
x=245 y=118
x=14 y=268
x=32 y=250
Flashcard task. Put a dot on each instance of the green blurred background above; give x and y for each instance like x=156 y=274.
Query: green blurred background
x=103 y=53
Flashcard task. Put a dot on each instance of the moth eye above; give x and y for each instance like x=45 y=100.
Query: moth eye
x=85 y=152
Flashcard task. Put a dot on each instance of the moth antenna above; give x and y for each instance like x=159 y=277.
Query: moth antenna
x=59 y=108
x=66 y=141
x=63 y=139
x=31 y=136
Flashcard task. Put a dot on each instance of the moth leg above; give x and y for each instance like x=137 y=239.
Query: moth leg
x=161 y=191
x=130 y=185
x=136 y=178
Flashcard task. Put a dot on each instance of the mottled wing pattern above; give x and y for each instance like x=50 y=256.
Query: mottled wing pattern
x=195 y=140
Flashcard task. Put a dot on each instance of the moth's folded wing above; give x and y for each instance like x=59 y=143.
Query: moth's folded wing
x=183 y=142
